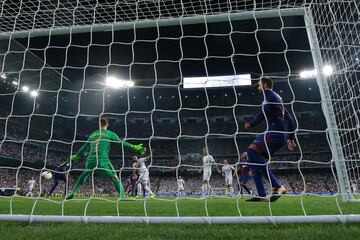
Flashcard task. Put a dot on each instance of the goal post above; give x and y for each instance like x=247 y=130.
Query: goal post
x=336 y=146
x=342 y=131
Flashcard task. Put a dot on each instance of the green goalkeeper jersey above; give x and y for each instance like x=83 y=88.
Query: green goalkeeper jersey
x=99 y=143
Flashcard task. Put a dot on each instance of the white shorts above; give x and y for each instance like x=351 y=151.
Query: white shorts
x=181 y=188
x=30 y=189
x=144 y=176
x=229 y=181
x=206 y=175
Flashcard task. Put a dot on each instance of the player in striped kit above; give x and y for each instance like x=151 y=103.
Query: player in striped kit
x=245 y=174
x=131 y=184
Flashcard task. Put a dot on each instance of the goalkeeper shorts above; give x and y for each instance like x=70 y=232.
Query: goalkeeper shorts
x=104 y=170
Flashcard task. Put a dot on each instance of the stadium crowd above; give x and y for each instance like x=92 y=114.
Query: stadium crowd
x=295 y=183
x=48 y=149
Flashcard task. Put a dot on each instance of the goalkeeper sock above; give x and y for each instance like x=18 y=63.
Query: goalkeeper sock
x=119 y=188
x=80 y=182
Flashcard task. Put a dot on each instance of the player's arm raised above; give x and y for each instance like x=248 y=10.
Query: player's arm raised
x=148 y=157
x=137 y=148
x=81 y=151
x=216 y=166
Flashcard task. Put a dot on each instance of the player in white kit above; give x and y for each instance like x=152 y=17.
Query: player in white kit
x=227 y=172
x=144 y=179
x=181 y=185
x=208 y=162
x=31 y=185
x=354 y=188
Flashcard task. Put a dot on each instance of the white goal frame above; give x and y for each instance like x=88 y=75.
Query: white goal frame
x=336 y=149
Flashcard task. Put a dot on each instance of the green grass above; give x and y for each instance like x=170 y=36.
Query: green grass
x=287 y=205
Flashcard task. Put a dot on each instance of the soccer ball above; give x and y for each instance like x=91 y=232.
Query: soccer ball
x=47 y=175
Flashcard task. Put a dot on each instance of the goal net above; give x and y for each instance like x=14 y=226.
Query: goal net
x=179 y=77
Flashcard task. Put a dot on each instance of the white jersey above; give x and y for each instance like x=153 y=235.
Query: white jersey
x=208 y=161
x=31 y=183
x=227 y=170
x=141 y=165
x=181 y=184
x=354 y=187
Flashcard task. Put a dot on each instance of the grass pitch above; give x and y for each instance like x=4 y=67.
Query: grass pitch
x=214 y=206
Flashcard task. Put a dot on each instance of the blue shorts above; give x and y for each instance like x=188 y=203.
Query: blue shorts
x=244 y=178
x=270 y=142
x=59 y=177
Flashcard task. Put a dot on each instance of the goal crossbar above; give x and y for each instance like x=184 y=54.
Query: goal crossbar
x=163 y=22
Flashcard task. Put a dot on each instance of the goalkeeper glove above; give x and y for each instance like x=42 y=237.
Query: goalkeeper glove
x=139 y=148
x=74 y=158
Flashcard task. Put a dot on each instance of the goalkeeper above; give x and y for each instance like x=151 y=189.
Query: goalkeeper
x=98 y=162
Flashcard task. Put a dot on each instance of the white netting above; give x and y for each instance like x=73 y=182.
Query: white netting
x=53 y=93
x=339 y=43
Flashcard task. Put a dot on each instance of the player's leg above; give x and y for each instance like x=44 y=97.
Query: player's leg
x=147 y=188
x=243 y=186
x=133 y=189
x=204 y=187
x=256 y=152
x=30 y=193
x=127 y=188
x=107 y=171
x=231 y=189
x=210 y=190
x=274 y=143
x=145 y=179
x=119 y=187
x=258 y=171
x=256 y=162
x=66 y=179
x=143 y=191
x=139 y=189
x=80 y=182
x=55 y=184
